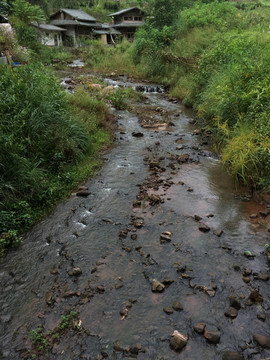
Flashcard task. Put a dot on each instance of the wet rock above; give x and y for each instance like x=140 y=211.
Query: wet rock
x=133 y=236
x=236 y=268
x=120 y=348
x=124 y=313
x=183 y=158
x=168 y=310
x=123 y=234
x=197 y=218
x=165 y=236
x=185 y=276
x=157 y=286
x=212 y=336
x=247 y=272
x=204 y=228
x=118 y=286
x=76 y=271
x=246 y=279
x=232 y=355
x=177 y=306
x=83 y=193
x=261 y=316
x=218 y=233
x=210 y=292
x=137 y=134
x=154 y=199
x=192 y=121
x=135 y=349
x=255 y=297
x=231 y=313
x=167 y=282
x=264 y=277
x=199 y=328
x=49 y=298
x=71 y=293
x=178 y=341
x=138 y=224
x=190 y=189
x=132 y=300
x=6 y=318
x=54 y=271
x=263 y=341
x=100 y=289
x=137 y=203
x=128 y=304
x=235 y=302
x=153 y=164
x=264 y=213
x=100 y=262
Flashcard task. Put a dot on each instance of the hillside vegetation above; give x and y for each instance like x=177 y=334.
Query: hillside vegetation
x=215 y=57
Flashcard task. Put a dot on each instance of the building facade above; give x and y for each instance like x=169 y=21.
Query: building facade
x=127 y=21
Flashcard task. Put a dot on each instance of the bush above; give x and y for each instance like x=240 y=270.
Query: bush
x=41 y=143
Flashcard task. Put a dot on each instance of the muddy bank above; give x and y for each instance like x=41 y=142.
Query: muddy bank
x=160 y=242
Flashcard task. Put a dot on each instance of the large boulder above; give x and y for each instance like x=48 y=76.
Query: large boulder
x=178 y=341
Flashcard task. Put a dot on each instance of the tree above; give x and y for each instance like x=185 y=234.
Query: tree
x=4 y=7
x=26 y=13
x=162 y=12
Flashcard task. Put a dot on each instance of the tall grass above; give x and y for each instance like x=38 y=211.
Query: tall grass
x=217 y=60
x=43 y=140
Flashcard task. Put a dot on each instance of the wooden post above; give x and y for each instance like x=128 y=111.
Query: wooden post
x=7 y=55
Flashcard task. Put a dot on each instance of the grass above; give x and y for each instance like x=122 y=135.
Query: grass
x=46 y=147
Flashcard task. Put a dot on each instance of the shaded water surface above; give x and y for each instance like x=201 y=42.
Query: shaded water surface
x=202 y=269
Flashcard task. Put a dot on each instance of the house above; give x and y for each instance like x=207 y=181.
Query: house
x=127 y=21
x=48 y=34
x=76 y=22
x=106 y=34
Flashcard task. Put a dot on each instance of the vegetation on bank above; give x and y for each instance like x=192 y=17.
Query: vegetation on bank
x=215 y=57
x=46 y=146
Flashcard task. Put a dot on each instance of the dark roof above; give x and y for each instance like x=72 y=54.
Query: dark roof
x=108 y=31
x=3 y=19
x=73 y=22
x=48 y=27
x=125 y=10
x=127 y=25
x=76 y=14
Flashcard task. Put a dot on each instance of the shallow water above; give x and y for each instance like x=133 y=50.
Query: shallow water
x=84 y=232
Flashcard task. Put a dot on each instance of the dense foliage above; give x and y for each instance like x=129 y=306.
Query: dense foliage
x=216 y=58
x=41 y=142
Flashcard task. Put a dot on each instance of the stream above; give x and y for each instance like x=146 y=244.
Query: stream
x=160 y=242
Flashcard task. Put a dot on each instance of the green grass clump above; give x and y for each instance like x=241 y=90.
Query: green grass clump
x=45 y=138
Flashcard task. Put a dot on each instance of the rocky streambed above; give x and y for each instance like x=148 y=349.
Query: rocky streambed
x=159 y=257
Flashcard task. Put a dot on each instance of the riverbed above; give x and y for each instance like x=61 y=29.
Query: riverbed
x=161 y=210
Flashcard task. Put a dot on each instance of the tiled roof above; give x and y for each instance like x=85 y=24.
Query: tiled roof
x=76 y=14
x=125 y=10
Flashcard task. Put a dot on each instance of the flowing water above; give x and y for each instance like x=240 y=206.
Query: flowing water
x=113 y=235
